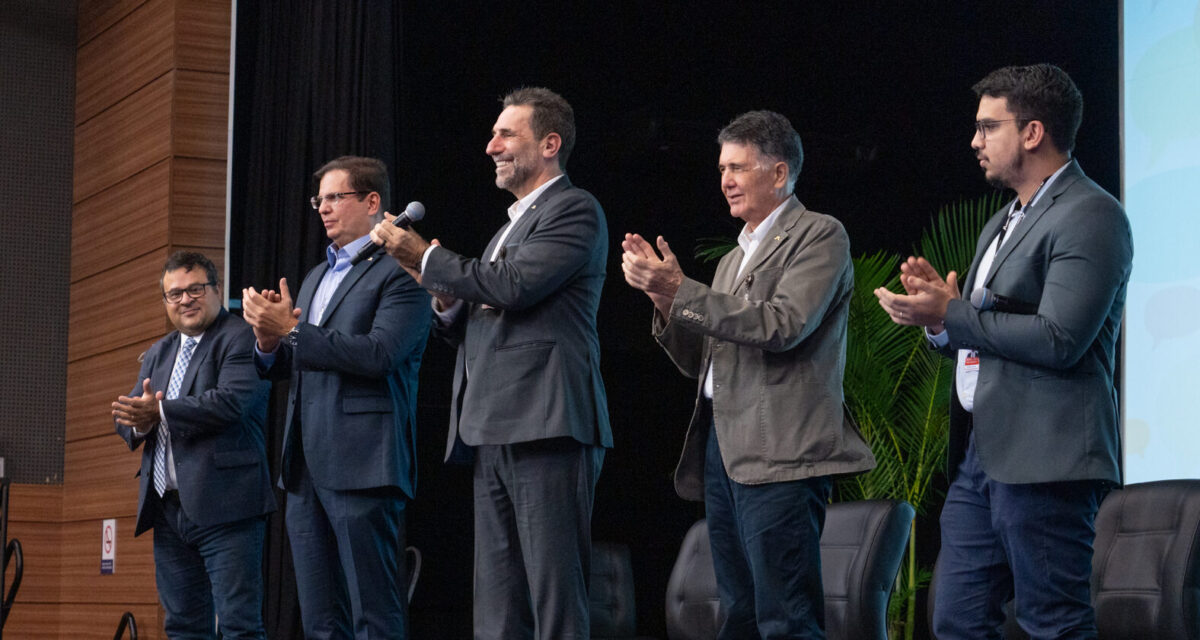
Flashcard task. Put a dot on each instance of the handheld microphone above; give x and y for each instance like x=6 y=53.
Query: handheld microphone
x=412 y=213
x=985 y=299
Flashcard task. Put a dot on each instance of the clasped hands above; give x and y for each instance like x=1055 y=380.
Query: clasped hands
x=658 y=277
x=270 y=314
x=138 y=412
x=926 y=296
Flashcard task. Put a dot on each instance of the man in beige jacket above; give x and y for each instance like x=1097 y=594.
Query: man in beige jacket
x=767 y=344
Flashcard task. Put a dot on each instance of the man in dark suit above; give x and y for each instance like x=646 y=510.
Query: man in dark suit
x=766 y=344
x=351 y=348
x=199 y=408
x=1034 y=434
x=529 y=402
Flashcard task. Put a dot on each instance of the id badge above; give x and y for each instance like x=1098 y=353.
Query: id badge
x=972 y=361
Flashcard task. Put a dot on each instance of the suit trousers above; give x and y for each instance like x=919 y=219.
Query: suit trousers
x=204 y=572
x=1031 y=542
x=766 y=549
x=348 y=550
x=533 y=539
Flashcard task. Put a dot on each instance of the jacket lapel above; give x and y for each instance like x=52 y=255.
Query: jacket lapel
x=309 y=289
x=356 y=272
x=778 y=234
x=1032 y=215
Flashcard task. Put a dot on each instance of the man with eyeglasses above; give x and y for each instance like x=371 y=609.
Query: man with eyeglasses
x=351 y=347
x=199 y=408
x=1034 y=428
x=766 y=344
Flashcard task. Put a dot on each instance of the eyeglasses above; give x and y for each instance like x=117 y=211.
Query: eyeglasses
x=195 y=292
x=984 y=127
x=333 y=198
x=738 y=169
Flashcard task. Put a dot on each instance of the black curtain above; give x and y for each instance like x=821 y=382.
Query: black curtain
x=313 y=80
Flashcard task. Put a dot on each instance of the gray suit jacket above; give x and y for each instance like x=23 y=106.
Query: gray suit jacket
x=777 y=341
x=528 y=364
x=216 y=426
x=1045 y=403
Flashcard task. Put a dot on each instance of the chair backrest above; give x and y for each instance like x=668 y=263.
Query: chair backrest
x=862 y=545
x=611 y=592
x=412 y=566
x=693 y=604
x=1146 y=567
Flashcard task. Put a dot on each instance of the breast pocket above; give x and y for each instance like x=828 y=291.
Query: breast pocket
x=760 y=285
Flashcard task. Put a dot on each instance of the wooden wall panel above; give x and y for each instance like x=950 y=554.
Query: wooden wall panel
x=201 y=123
x=35 y=503
x=37 y=621
x=99 y=621
x=124 y=58
x=117 y=308
x=202 y=31
x=40 y=544
x=100 y=480
x=124 y=139
x=95 y=382
x=132 y=580
x=122 y=221
x=94 y=16
x=198 y=204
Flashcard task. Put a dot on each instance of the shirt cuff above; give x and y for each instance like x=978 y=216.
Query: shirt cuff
x=937 y=339
x=425 y=256
x=267 y=358
x=447 y=316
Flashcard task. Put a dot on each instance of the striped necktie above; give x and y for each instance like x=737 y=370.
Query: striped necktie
x=164 y=437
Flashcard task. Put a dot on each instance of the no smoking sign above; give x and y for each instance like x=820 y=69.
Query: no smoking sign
x=108 y=547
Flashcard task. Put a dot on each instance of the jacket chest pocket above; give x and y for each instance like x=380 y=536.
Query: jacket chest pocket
x=759 y=285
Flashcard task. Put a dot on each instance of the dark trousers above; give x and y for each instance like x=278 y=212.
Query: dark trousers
x=205 y=573
x=1028 y=541
x=766 y=548
x=533 y=539
x=348 y=550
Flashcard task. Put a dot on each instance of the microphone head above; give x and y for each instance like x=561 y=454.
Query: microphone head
x=415 y=210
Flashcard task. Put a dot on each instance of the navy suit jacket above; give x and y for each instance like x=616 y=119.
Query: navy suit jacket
x=353 y=398
x=528 y=341
x=216 y=427
x=1045 y=401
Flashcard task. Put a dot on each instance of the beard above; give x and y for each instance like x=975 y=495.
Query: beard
x=519 y=175
x=1002 y=180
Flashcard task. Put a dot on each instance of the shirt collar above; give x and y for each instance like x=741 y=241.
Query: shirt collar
x=516 y=209
x=1041 y=190
x=335 y=255
x=748 y=239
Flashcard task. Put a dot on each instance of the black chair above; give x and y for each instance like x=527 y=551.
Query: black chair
x=861 y=548
x=611 y=593
x=412 y=566
x=1146 y=566
x=693 y=604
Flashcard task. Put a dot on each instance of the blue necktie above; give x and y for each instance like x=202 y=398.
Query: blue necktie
x=164 y=436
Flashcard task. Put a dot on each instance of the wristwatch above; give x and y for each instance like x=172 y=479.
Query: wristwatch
x=293 y=335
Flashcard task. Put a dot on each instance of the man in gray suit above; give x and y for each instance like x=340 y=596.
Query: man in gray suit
x=529 y=403
x=767 y=344
x=1034 y=434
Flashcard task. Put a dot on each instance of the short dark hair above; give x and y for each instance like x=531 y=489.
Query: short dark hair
x=1040 y=92
x=188 y=260
x=551 y=114
x=772 y=134
x=366 y=174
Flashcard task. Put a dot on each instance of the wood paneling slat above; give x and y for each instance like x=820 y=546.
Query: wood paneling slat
x=124 y=58
x=99 y=621
x=94 y=16
x=202 y=31
x=124 y=139
x=94 y=384
x=132 y=580
x=41 y=550
x=117 y=308
x=121 y=221
x=198 y=204
x=100 y=480
x=201 y=123
x=33 y=621
x=35 y=503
